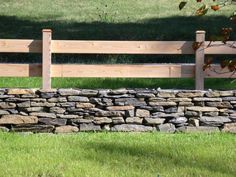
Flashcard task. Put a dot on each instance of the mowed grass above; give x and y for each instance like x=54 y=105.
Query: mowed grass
x=115 y=83
x=118 y=155
x=109 y=20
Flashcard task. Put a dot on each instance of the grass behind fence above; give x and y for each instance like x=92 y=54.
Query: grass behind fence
x=108 y=20
x=113 y=83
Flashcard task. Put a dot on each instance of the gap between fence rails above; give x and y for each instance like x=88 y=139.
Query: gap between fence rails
x=48 y=46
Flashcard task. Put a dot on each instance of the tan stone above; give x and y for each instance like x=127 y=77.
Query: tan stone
x=20 y=92
x=202 y=109
x=85 y=105
x=66 y=129
x=142 y=113
x=230 y=127
x=120 y=108
x=18 y=119
x=5 y=105
x=166 y=94
x=162 y=103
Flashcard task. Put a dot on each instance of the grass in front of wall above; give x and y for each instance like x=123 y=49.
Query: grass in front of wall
x=114 y=83
x=118 y=155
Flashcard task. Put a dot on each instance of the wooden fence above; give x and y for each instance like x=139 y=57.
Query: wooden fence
x=47 y=46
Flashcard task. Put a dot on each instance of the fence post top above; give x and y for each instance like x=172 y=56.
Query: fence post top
x=47 y=30
x=200 y=32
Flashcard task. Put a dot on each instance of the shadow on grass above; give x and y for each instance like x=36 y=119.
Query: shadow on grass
x=163 y=155
x=168 y=29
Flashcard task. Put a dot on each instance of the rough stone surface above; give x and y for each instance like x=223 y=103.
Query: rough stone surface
x=230 y=128
x=118 y=120
x=116 y=110
x=20 y=92
x=132 y=128
x=43 y=114
x=18 y=119
x=78 y=99
x=102 y=120
x=207 y=129
x=68 y=92
x=4 y=105
x=142 y=113
x=33 y=128
x=166 y=128
x=134 y=120
x=50 y=121
x=153 y=121
x=214 y=121
x=89 y=127
x=202 y=109
x=66 y=129
x=120 y=108
x=3 y=112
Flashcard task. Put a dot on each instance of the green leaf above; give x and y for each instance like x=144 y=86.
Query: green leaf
x=182 y=5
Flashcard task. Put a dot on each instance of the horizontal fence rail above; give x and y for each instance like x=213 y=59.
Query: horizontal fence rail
x=47 y=47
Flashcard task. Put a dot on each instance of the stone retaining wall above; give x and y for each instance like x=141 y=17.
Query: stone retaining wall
x=75 y=110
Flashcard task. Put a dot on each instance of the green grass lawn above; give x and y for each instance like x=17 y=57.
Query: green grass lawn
x=114 y=83
x=118 y=154
x=108 y=20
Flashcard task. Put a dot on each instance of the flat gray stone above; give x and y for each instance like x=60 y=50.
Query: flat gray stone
x=57 y=110
x=7 y=105
x=57 y=100
x=166 y=128
x=102 y=120
x=219 y=104
x=190 y=94
x=179 y=120
x=145 y=95
x=169 y=103
x=3 y=112
x=43 y=115
x=142 y=113
x=78 y=99
x=69 y=116
x=164 y=115
x=66 y=129
x=118 y=120
x=206 y=129
x=89 y=127
x=134 y=120
x=50 y=121
x=42 y=104
x=132 y=128
x=171 y=110
x=229 y=98
x=33 y=128
x=129 y=101
x=202 y=109
x=214 y=121
x=34 y=109
x=68 y=92
x=88 y=92
x=207 y=99
x=110 y=113
x=153 y=121
x=23 y=104
x=226 y=93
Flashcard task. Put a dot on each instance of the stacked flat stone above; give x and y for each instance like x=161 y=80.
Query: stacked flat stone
x=125 y=110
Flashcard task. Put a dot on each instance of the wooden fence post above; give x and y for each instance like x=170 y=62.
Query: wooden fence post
x=199 y=60
x=46 y=54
